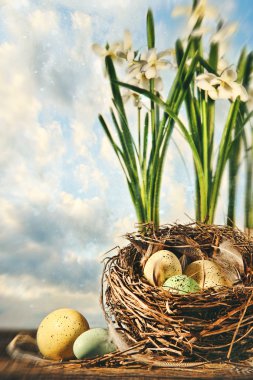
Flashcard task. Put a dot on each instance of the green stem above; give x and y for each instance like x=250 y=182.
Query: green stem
x=152 y=111
x=205 y=157
x=222 y=158
x=139 y=133
x=249 y=187
x=233 y=174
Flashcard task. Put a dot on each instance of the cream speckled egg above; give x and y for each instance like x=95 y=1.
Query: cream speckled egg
x=58 y=331
x=207 y=274
x=160 y=266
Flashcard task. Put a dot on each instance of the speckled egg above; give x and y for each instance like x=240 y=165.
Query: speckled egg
x=160 y=266
x=58 y=331
x=181 y=284
x=93 y=342
x=207 y=274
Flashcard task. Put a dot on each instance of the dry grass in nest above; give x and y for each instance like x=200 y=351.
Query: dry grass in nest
x=206 y=326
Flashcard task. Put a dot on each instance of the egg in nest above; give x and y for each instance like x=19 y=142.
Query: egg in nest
x=207 y=274
x=160 y=266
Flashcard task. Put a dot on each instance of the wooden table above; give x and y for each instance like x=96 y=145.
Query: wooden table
x=13 y=369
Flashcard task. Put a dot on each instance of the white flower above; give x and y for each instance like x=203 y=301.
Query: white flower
x=126 y=50
x=201 y=10
x=206 y=82
x=223 y=87
x=224 y=32
x=140 y=81
x=111 y=50
x=222 y=65
x=153 y=62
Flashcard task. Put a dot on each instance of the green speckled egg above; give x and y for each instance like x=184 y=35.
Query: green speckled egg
x=160 y=266
x=181 y=284
x=94 y=342
x=58 y=331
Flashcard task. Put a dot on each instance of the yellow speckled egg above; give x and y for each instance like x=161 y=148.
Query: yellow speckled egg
x=160 y=266
x=207 y=274
x=58 y=331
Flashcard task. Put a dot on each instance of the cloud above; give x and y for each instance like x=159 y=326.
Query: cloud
x=22 y=297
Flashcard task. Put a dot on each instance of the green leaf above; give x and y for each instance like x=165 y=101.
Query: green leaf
x=214 y=56
x=179 y=51
x=145 y=140
x=150 y=30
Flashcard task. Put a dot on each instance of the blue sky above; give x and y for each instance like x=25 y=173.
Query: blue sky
x=63 y=198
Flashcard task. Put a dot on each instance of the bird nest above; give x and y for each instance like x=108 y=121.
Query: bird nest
x=210 y=325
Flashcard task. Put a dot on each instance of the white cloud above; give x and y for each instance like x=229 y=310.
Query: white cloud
x=43 y=21
x=25 y=301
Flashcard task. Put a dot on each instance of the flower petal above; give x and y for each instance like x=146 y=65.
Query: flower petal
x=130 y=56
x=127 y=44
x=144 y=56
x=99 y=50
x=225 y=32
x=211 y=12
x=239 y=90
x=222 y=65
x=181 y=11
x=145 y=67
x=162 y=64
x=225 y=91
x=198 y=32
x=229 y=75
x=158 y=84
x=152 y=55
x=151 y=73
x=166 y=52
x=212 y=93
x=209 y=77
x=204 y=85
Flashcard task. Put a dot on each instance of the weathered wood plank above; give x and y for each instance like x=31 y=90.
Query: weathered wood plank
x=11 y=369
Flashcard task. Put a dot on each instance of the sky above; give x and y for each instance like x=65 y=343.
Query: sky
x=63 y=198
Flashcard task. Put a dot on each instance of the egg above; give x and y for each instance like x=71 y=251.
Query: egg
x=207 y=274
x=94 y=342
x=58 y=331
x=160 y=266
x=181 y=284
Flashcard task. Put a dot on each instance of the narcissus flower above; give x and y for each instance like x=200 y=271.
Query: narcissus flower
x=200 y=11
x=153 y=62
x=206 y=82
x=141 y=81
x=224 y=32
x=223 y=87
x=126 y=50
x=111 y=50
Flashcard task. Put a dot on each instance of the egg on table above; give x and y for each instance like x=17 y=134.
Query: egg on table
x=207 y=274
x=181 y=284
x=93 y=342
x=160 y=266
x=58 y=331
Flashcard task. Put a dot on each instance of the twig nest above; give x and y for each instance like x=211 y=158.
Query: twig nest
x=207 y=274
x=181 y=284
x=214 y=323
x=160 y=266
